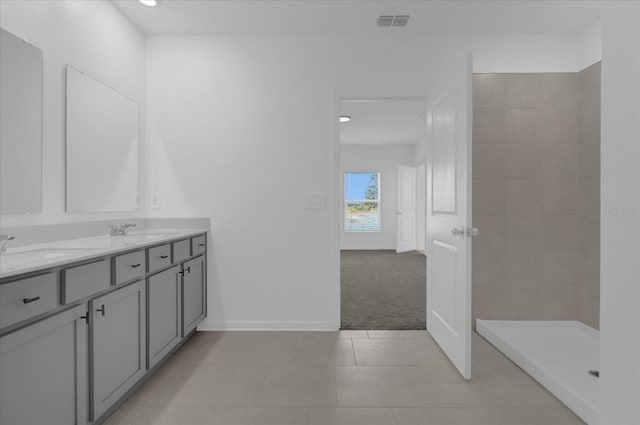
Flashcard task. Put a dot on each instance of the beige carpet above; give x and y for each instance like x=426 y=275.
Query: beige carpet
x=383 y=290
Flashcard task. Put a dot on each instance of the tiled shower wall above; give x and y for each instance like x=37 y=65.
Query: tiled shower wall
x=533 y=196
x=589 y=169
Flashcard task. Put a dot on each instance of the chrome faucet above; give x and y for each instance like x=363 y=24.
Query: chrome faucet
x=4 y=239
x=120 y=229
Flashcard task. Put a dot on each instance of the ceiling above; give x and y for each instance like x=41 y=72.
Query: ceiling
x=383 y=122
x=359 y=16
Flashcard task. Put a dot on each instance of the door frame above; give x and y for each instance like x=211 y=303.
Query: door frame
x=333 y=200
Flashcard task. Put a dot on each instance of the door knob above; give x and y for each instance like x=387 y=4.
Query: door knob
x=472 y=231
x=457 y=231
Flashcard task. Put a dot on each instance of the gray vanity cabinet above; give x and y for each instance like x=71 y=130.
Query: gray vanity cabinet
x=193 y=294
x=165 y=313
x=77 y=338
x=118 y=344
x=43 y=371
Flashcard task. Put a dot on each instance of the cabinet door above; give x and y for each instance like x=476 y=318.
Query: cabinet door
x=165 y=313
x=119 y=344
x=43 y=372
x=193 y=294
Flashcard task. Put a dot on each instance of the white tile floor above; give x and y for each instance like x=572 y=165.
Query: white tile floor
x=343 y=378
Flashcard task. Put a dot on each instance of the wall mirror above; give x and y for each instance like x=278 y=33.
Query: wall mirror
x=102 y=147
x=20 y=126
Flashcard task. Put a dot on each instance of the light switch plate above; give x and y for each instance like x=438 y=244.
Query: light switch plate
x=313 y=200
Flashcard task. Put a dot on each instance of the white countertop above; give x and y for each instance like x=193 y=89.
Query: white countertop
x=31 y=258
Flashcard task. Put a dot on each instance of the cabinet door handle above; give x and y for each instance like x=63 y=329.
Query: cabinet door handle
x=189 y=269
x=164 y=256
x=85 y=317
x=101 y=309
x=30 y=300
x=201 y=244
x=133 y=266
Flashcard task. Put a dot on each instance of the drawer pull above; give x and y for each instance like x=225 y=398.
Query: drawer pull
x=134 y=266
x=101 y=309
x=30 y=300
x=201 y=244
x=164 y=256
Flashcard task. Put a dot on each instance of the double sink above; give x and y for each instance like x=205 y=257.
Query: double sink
x=43 y=253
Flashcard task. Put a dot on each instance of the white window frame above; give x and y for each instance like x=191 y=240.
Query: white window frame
x=347 y=201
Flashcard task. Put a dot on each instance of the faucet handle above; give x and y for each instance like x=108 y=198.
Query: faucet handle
x=125 y=227
x=3 y=241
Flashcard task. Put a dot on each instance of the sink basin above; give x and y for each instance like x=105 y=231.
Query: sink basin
x=140 y=238
x=147 y=236
x=17 y=258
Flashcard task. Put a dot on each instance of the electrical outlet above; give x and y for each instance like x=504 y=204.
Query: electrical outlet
x=155 y=200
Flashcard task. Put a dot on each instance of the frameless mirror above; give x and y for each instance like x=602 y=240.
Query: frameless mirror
x=102 y=147
x=20 y=126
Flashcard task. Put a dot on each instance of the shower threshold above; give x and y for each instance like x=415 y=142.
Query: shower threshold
x=559 y=355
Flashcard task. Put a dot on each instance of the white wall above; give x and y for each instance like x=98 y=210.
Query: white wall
x=240 y=126
x=96 y=38
x=620 y=222
x=384 y=160
x=591 y=43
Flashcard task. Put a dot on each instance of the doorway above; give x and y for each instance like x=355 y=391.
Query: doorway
x=382 y=220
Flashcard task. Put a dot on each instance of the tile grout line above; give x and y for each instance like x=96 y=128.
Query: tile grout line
x=355 y=357
x=335 y=384
x=393 y=415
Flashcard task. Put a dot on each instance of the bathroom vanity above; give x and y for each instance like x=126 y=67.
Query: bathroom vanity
x=84 y=322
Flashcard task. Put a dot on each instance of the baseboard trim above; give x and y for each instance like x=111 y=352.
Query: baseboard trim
x=267 y=325
x=368 y=248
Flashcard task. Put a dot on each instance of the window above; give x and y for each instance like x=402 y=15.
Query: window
x=362 y=202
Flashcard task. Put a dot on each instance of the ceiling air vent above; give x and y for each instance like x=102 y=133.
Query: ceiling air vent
x=385 y=20
x=400 y=20
x=393 y=21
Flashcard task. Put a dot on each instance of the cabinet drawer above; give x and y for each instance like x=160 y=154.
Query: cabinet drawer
x=159 y=257
x=198 y=244
x=86 y=280
x=129 y=266
x=181 y=250
x=26 y=298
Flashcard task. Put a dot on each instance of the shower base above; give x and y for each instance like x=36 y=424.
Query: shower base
x=559 y=355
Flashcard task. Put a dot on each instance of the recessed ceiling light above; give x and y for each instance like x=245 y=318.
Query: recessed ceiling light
x=149 y=3
x=345 y=118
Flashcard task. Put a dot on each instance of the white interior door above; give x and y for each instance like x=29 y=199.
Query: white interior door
x=406 y=209
x=421 y=204
x=448 y=224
